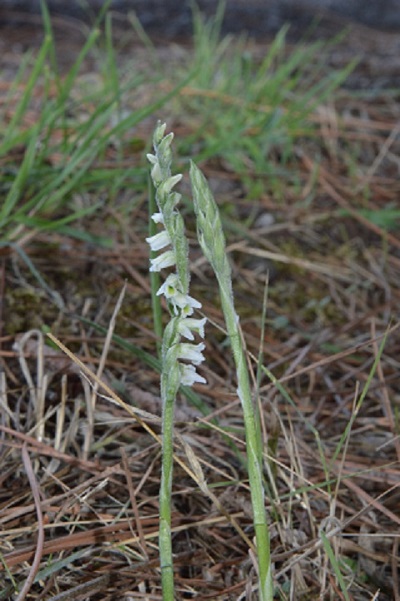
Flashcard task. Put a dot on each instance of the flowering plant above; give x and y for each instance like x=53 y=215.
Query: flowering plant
x=179 y=359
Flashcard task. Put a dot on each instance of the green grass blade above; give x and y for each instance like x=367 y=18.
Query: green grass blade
x=15 y=192
x=37 y=71
x=334 y=563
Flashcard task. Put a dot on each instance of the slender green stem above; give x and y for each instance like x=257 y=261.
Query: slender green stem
x=254 y=461
x=170 y=382
x=212 y=241
x=165 y=540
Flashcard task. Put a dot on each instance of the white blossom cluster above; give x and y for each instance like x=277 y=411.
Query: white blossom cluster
x=180 y=359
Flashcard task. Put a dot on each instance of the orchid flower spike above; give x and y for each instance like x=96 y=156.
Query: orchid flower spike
x=172 y=241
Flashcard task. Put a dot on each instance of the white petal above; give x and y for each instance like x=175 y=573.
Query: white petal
x=181 y=300
x=167 y=259
x=159 y=241
x=158 y=218
x=169 y=288
x=191 y=352
x=192 y=325
x=184 y=303
x=191 y=304
x=189 y=375
x=184 y=330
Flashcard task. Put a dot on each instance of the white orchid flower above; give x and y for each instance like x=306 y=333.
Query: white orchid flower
x=189 y=375
x=159 y=241
x=167 y=259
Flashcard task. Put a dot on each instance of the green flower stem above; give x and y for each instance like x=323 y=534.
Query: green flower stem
x=170 y=382
x=165 y=540
x=212 y=241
